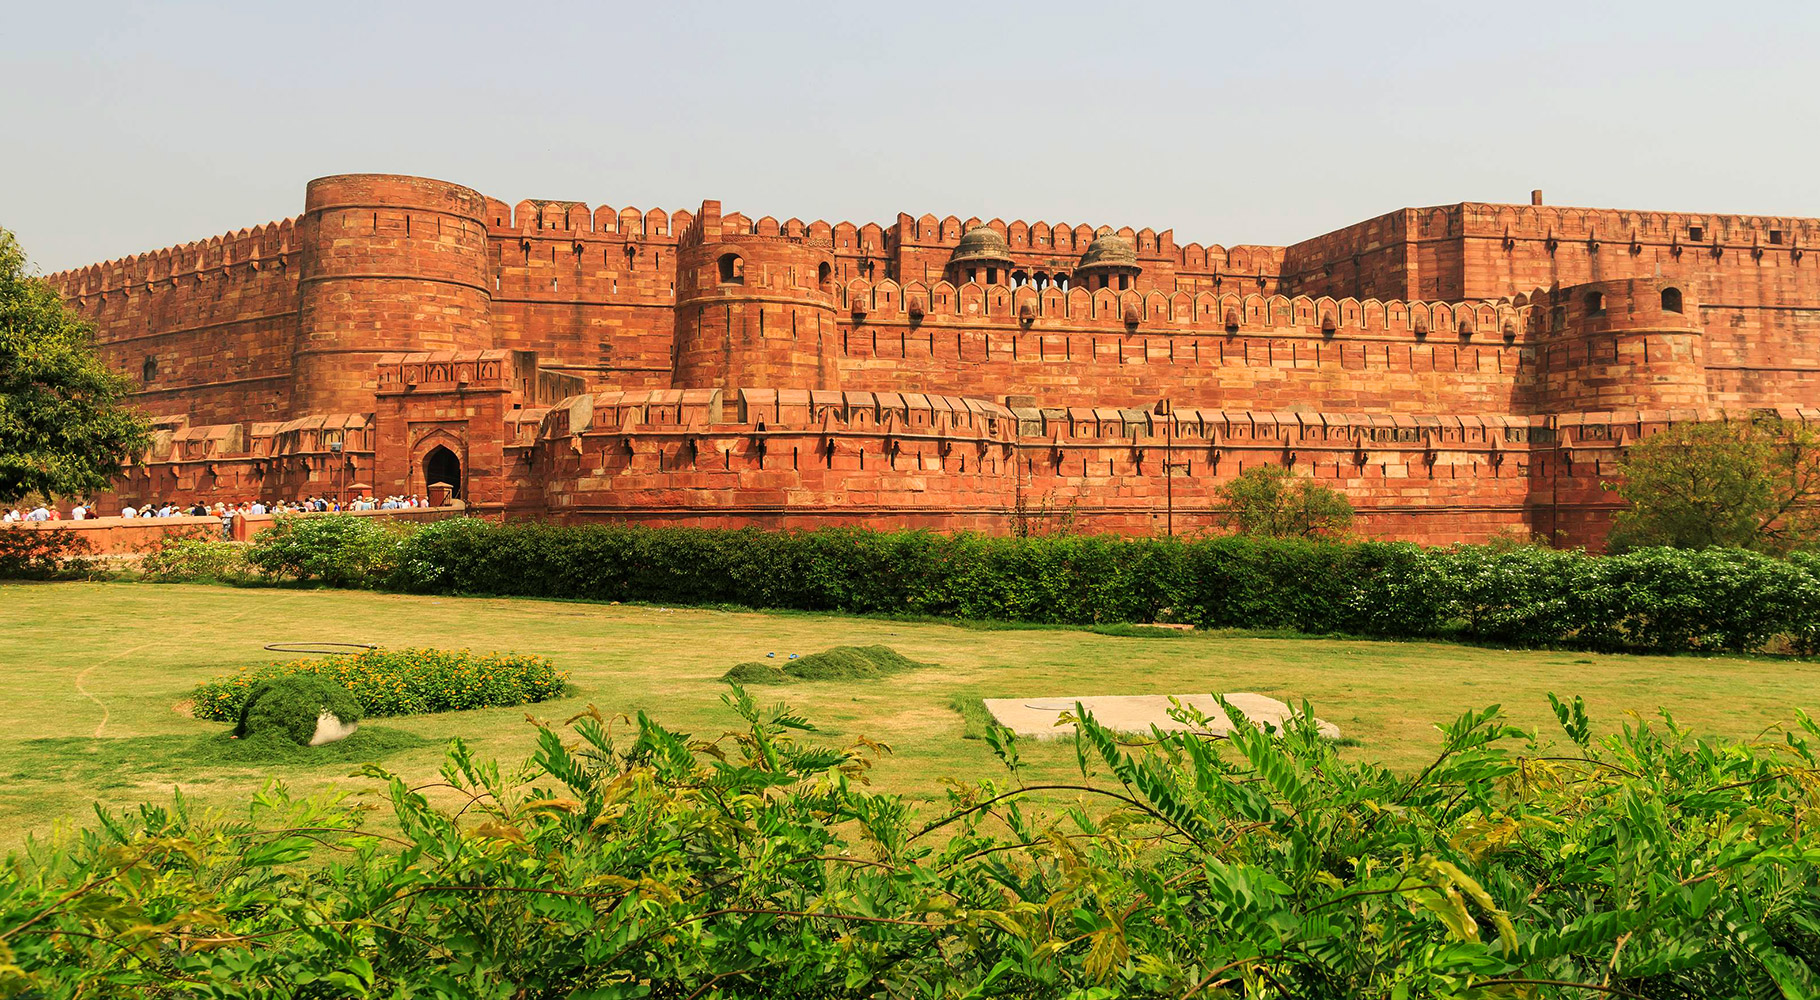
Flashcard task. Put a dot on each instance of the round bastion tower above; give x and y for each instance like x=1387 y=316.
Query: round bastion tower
x=753 y=310
x=1628 y=344
x=390 y=264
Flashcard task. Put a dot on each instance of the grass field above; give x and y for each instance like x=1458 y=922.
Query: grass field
x=93 y=671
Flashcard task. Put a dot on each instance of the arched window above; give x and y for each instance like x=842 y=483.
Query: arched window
x=1671 y=300
x=823 y=273
x=732 y=269
x=1595 y=304
x=149 y=370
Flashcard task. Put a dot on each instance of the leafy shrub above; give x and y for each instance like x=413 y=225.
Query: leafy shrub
x=41 y=554
x=398 y=681
x=185 y=560
x=290 y=706
x=1273 y=501
x=1647 y=863
x=839 y=663
x=339 y=550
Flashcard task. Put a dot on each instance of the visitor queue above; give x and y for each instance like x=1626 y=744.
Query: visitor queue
x=83 y=510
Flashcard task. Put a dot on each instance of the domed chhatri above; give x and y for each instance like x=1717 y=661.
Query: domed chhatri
x=981 y=253
x=982 y=244
x=1110 y=262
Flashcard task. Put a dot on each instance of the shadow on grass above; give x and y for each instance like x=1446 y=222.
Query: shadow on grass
x=114 y=762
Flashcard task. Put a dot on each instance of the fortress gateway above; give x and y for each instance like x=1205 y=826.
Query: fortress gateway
x=1458 y=371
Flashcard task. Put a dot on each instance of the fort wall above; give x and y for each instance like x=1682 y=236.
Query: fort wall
x=207 y=328
x=1459 y=371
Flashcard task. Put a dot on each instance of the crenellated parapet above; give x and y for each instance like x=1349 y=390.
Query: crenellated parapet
x=261 y=249
x=1198 y=313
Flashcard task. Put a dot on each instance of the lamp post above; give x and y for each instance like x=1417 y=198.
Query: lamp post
x=1167 y=412
x=335 y=450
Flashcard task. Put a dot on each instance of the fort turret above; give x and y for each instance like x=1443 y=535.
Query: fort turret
x=1633 y=344
x=1110 y=262
x=981 y=255
x=753 y=308
x=389 y=264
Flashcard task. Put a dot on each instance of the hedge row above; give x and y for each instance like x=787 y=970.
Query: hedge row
x=1713 y=599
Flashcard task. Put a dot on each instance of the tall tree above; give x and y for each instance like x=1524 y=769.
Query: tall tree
x=1749 y=484
x=65 y=427
x=1269 y=500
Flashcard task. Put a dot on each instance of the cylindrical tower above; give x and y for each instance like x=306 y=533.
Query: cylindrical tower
x=1633 y=344
x=752 y=310
x=389 y=264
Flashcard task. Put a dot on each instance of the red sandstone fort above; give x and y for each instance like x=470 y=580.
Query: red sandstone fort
x=1460 y=371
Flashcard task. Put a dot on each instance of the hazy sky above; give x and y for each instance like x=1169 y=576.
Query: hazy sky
x=133 y=126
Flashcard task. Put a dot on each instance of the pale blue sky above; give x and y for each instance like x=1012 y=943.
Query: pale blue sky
x=132 y=126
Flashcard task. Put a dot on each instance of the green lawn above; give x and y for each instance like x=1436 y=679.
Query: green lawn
x=94 y=671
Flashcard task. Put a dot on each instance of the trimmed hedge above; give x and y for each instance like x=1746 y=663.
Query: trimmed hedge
x=398 y=681
x=1675 y=599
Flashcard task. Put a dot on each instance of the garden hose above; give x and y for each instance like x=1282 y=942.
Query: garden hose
x=348 y=648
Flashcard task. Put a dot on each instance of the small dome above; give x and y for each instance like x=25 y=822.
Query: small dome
x=982 y=243
x=1109 y=250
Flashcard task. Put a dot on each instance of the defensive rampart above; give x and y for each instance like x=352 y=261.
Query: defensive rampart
x=1443 y=366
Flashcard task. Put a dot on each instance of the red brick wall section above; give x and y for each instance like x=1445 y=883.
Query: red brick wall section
x=794 y=458
x=208 y=327
x=125 y=535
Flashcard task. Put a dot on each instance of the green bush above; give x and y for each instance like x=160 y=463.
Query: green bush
x=648 y=863
x=41 y=554
x=339 y=550
x=839 y=663
x=290 y=707
x=186 y=560
x=398 y=681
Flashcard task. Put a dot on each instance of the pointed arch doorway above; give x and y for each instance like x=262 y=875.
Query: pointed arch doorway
x=443 y=466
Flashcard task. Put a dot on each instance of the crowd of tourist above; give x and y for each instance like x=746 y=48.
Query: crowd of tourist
x=82 y=510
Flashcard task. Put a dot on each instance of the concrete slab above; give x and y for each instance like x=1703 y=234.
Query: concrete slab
x=1036 y=717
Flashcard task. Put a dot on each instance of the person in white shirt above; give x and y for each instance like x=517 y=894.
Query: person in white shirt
x=128 y=511
x=257 y=508
x=78 y=512
x=9 y=517
x=38 y=514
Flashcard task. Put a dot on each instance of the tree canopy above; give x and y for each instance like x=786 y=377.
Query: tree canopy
x=65 y=427
x=1273 y=501
x=1748 y=484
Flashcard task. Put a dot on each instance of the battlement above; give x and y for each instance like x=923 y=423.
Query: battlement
x=270 y=245
x=1203 y=313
